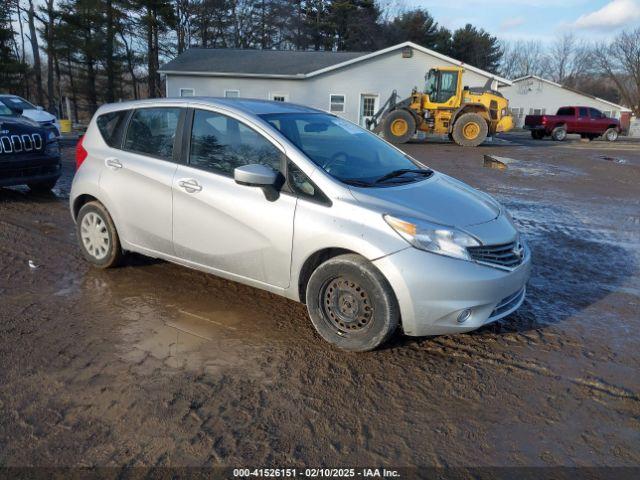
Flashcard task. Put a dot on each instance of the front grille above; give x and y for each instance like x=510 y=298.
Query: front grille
x=509 y=303
x=507 y=255
x=12 y=144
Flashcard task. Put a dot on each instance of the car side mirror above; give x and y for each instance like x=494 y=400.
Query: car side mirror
x=17 y=110
x=255 y=175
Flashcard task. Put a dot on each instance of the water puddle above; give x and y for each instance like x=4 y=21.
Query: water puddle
x=527 y=167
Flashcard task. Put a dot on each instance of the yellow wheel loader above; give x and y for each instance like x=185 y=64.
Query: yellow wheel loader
x=467 y=115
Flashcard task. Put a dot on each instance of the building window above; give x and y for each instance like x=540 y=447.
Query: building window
x=280 y=97
x=187 y=92
x=232 y=93
x=368 y=106
x=337 y=103
x=537 y=111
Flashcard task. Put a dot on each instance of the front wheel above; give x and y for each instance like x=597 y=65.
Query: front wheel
x=97 y=235
x=399 y=127
x=351 y=304
x=611 y=135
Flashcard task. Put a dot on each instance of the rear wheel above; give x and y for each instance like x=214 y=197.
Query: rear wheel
x=351 y=304
x=559 y=134
x=399 y=126
x=97 y=235
x=470 y=130
x=611 y=135
x=42 y=187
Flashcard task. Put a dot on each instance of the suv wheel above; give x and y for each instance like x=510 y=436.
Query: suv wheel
x=351 y=304
x=611 y=134
x=97 y=236
x=559 y=134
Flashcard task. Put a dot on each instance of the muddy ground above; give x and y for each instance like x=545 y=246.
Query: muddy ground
x=154 y=364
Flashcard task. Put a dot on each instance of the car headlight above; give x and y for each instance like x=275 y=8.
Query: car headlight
x=433 y=238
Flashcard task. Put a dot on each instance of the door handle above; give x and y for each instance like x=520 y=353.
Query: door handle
x=190 y=185
x=113 y=163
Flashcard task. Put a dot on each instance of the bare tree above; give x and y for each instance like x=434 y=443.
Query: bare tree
x=35 y=49
x=568 y=60
x=620 y=61
x=523 y=58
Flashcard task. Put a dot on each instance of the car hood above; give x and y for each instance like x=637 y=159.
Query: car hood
x=439 y=199
x=39 y=115
x=14 y=125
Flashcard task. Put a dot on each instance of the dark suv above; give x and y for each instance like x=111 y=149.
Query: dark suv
x=29 y=154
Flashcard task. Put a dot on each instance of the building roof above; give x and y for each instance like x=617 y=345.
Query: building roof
x=593 y=97
x=255 y=62
x=286 y=63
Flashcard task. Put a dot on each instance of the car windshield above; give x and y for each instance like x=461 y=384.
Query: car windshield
x=17 y=102
x=345 y=151
x=4 y=110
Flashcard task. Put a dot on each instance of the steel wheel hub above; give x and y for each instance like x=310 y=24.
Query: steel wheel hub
x=346 y=305
x=94 y=235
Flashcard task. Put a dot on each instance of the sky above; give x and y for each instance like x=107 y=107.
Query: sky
x=535 y=19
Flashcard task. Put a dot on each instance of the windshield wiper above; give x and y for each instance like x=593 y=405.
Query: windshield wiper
x=356 y=183
x=402 y=171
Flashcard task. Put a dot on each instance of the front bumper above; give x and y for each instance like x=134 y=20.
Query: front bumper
x=21 y=170
x=433 y=290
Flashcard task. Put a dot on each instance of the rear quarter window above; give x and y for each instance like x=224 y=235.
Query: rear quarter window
x=566 y=111
x=111 y=126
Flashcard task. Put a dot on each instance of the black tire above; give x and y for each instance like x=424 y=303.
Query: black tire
x=43 y=187
x=559 y=134
x=351 y=304
x=394 y=131
x=470 y=123
x=537 y=134
x=112 y=254
x=611 y=135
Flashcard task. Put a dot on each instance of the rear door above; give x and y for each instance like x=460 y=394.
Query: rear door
x=137 y=178
x=599 y=122
x=243 y=231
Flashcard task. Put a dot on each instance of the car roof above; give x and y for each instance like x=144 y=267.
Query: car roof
x=248 y=106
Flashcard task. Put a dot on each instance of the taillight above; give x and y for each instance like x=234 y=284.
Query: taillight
x=544 y=120
x=81 y=153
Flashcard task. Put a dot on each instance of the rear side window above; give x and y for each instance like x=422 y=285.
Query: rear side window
x=595 y=113
x=219 y=144
x=152 y=132
x=566 y=111
x=111 y=126
x=584 y=112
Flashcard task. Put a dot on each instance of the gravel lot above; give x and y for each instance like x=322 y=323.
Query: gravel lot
x=154 y=364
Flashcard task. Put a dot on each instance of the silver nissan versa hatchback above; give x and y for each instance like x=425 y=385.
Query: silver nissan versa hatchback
x=301 y=203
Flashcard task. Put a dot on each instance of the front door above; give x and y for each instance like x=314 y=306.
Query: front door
x=219 y=224
x=138 y=179
x=368 y=108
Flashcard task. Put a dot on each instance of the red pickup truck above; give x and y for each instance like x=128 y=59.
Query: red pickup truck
x=586 y=121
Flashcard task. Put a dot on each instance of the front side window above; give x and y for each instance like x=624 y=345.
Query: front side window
x=111 y=126
x=219 y=144
x=302 y=185
x=344 y=150
x=447 y=87
x=337 y=103
x=152 y=132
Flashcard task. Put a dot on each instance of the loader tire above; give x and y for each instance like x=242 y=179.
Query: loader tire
x=399 y=127
x=470 y=130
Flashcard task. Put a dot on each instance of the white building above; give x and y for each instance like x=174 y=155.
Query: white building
x=532 y=95
x=350 y=84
